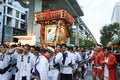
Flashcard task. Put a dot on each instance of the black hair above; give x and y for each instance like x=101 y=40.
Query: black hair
x=59 y=45
x=108 y=48
x=27 y=45
x=70 y=48
x=76 y=46
x=64 y=45
x=37 y=48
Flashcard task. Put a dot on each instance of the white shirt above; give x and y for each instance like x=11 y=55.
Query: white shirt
x=24 y=64
x=65 y=68
x=4 y=62
x=77 y=56
x=43 y=67
x=106 y=73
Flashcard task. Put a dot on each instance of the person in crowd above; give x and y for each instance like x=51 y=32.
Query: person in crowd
x=42 y=66
x=25 y=62
x=83 y=65
x=78 y=59
x=5 y=65
x=32 y=49
x=91 y=51
x=54 y=68
x=37 y=51
x=97 y=59
x=67 y=63
x=109 y=65
x=1 y=47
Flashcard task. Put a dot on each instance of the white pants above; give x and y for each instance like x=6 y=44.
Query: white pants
x=106 y=78
x=53 y=74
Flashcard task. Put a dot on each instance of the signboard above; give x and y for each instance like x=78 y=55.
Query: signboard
x=31 y=40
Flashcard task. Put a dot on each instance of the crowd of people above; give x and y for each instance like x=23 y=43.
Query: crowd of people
x=58 y=62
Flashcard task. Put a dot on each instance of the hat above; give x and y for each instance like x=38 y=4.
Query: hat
x=50 y=49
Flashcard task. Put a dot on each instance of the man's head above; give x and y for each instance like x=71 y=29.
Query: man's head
x=63 y=47
x=37 y=50
x=32 y=49
x=107 y=50
x=1 y=47
x=26 y=48
x=82 y=49
x=75 y=48
x=58 y=48
x=48 y=51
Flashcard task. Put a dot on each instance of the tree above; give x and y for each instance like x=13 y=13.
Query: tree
x=107 y=32
x=89 y=43
x=72 y=39
x=81 y=42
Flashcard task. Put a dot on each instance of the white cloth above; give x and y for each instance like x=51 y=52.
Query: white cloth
x=58 y=58
x=43 y=68
x=54 y=72
x=106 y=73
x=4 y=62
x=65 y=68
x=77 y=56
x=24 y=64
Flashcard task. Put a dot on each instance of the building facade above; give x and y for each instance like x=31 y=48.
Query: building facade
x=1 y=19
x=13 y=21
x=82 y=31
x=116 y=13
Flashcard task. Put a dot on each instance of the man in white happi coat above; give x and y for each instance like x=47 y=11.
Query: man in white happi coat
x=25 y=63
x=54 y=68
x=78 y=59
x=42 y=66
x=5 y=74
x=67 y=63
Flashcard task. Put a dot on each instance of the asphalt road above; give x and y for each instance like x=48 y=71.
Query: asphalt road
x=88 y=75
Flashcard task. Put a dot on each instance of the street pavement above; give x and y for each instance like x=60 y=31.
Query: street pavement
x=88 y=75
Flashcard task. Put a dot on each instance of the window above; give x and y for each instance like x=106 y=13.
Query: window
x=9 y=2
x=22 y=25
x=9 y=21
x=17 y=23
x=0 y=13
x=17 y=14
x=22 y=16
x=0 y=24
x=1 y=2
x=9 y=11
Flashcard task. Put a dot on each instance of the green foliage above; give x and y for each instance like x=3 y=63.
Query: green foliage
x=70 y=32
x=72 y=39
x=81 y=42
x=107 y=32
x=85 y=43
x=89 y=43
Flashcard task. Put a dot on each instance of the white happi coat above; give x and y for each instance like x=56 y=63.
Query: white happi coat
x=43 y=67
x=24 y=64
x=54 y=72
x=65 y=69
x=4 y=62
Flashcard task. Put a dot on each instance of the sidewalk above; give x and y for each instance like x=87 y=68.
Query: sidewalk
x=89 y=75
